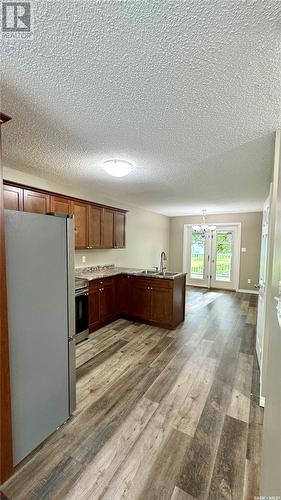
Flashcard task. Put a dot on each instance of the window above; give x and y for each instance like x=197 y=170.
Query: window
x=224 y=245
x=197 y=255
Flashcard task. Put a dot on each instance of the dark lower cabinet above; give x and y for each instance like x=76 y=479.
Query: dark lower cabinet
x=161 y=305
x=107 y=298
x=123 y=294
x=152 y=301
x=101 y=303
x=140 y=299
x=94 y=309
x=158 y=302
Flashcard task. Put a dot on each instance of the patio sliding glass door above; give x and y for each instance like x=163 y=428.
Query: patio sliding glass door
x=213 y=258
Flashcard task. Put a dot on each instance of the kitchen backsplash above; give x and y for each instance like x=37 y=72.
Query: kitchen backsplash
x=93 y=269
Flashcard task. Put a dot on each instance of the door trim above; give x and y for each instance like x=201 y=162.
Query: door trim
x=219 y=224
x=242 y=290
x=6 y=437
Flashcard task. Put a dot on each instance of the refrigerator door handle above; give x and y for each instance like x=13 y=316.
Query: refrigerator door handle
x=72 y=375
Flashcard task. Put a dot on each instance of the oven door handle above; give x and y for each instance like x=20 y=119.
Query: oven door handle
x=79 y=294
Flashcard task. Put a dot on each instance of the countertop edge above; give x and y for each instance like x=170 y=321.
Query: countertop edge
x=134 y=273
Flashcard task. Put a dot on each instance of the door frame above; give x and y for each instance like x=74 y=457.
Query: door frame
x=267 y=203
x=6 y=437
x=218 y=224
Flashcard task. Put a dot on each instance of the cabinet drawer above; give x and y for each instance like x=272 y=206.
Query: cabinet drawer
x=161 y=283
x=97 y=283
x=154 y=282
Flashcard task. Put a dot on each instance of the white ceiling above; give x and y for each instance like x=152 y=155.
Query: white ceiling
x=189 y=91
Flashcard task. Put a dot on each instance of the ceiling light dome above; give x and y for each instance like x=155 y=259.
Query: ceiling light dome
x=118 y=168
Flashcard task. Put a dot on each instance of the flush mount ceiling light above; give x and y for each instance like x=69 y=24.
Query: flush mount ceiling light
x=118 y=168
x=203 y=228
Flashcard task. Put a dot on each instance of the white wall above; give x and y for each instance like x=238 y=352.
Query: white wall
x=147 y=233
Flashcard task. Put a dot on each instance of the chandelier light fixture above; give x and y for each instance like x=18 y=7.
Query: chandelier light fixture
x=117 y=168
x=204 y=227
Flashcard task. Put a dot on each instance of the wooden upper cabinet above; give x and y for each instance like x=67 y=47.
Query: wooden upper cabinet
x=36 y=202
x=119 y=229
x=108 y=228
x=61 y=205
x=95 y=227
x=13 y=197
x=80 y=212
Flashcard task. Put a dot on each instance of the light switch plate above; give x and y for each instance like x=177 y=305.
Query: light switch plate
x=83 y=259
x=244 y=250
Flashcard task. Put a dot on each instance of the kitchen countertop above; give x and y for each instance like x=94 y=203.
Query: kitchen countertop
x=106 y=273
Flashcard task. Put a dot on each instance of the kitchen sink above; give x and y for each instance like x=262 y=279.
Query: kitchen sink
x=152 y=272
x=167 y=273
x=149 y=272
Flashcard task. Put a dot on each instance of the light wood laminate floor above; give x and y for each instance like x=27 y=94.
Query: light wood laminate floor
x=160 y=414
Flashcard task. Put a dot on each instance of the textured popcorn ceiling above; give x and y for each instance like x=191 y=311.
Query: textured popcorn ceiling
x=189 y=91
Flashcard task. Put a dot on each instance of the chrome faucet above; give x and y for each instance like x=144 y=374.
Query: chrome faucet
x=163 y=258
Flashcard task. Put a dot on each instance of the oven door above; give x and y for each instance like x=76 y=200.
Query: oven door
x=81 y=316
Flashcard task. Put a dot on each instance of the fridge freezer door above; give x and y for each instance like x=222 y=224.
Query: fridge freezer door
x=71 y=313
x=37 y=279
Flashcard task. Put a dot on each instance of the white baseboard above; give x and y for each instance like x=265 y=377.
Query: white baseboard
x=255 y=292
x=262 y=401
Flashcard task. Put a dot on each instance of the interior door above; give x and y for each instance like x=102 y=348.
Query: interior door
x=224 y=258
x=262 y=281
x=198 y=257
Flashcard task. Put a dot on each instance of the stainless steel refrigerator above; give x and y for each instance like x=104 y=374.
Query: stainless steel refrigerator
x=41 y=315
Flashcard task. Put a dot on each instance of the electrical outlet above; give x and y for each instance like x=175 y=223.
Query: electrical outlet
x=83 y=259
x=249 y=281
x=244 y=250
